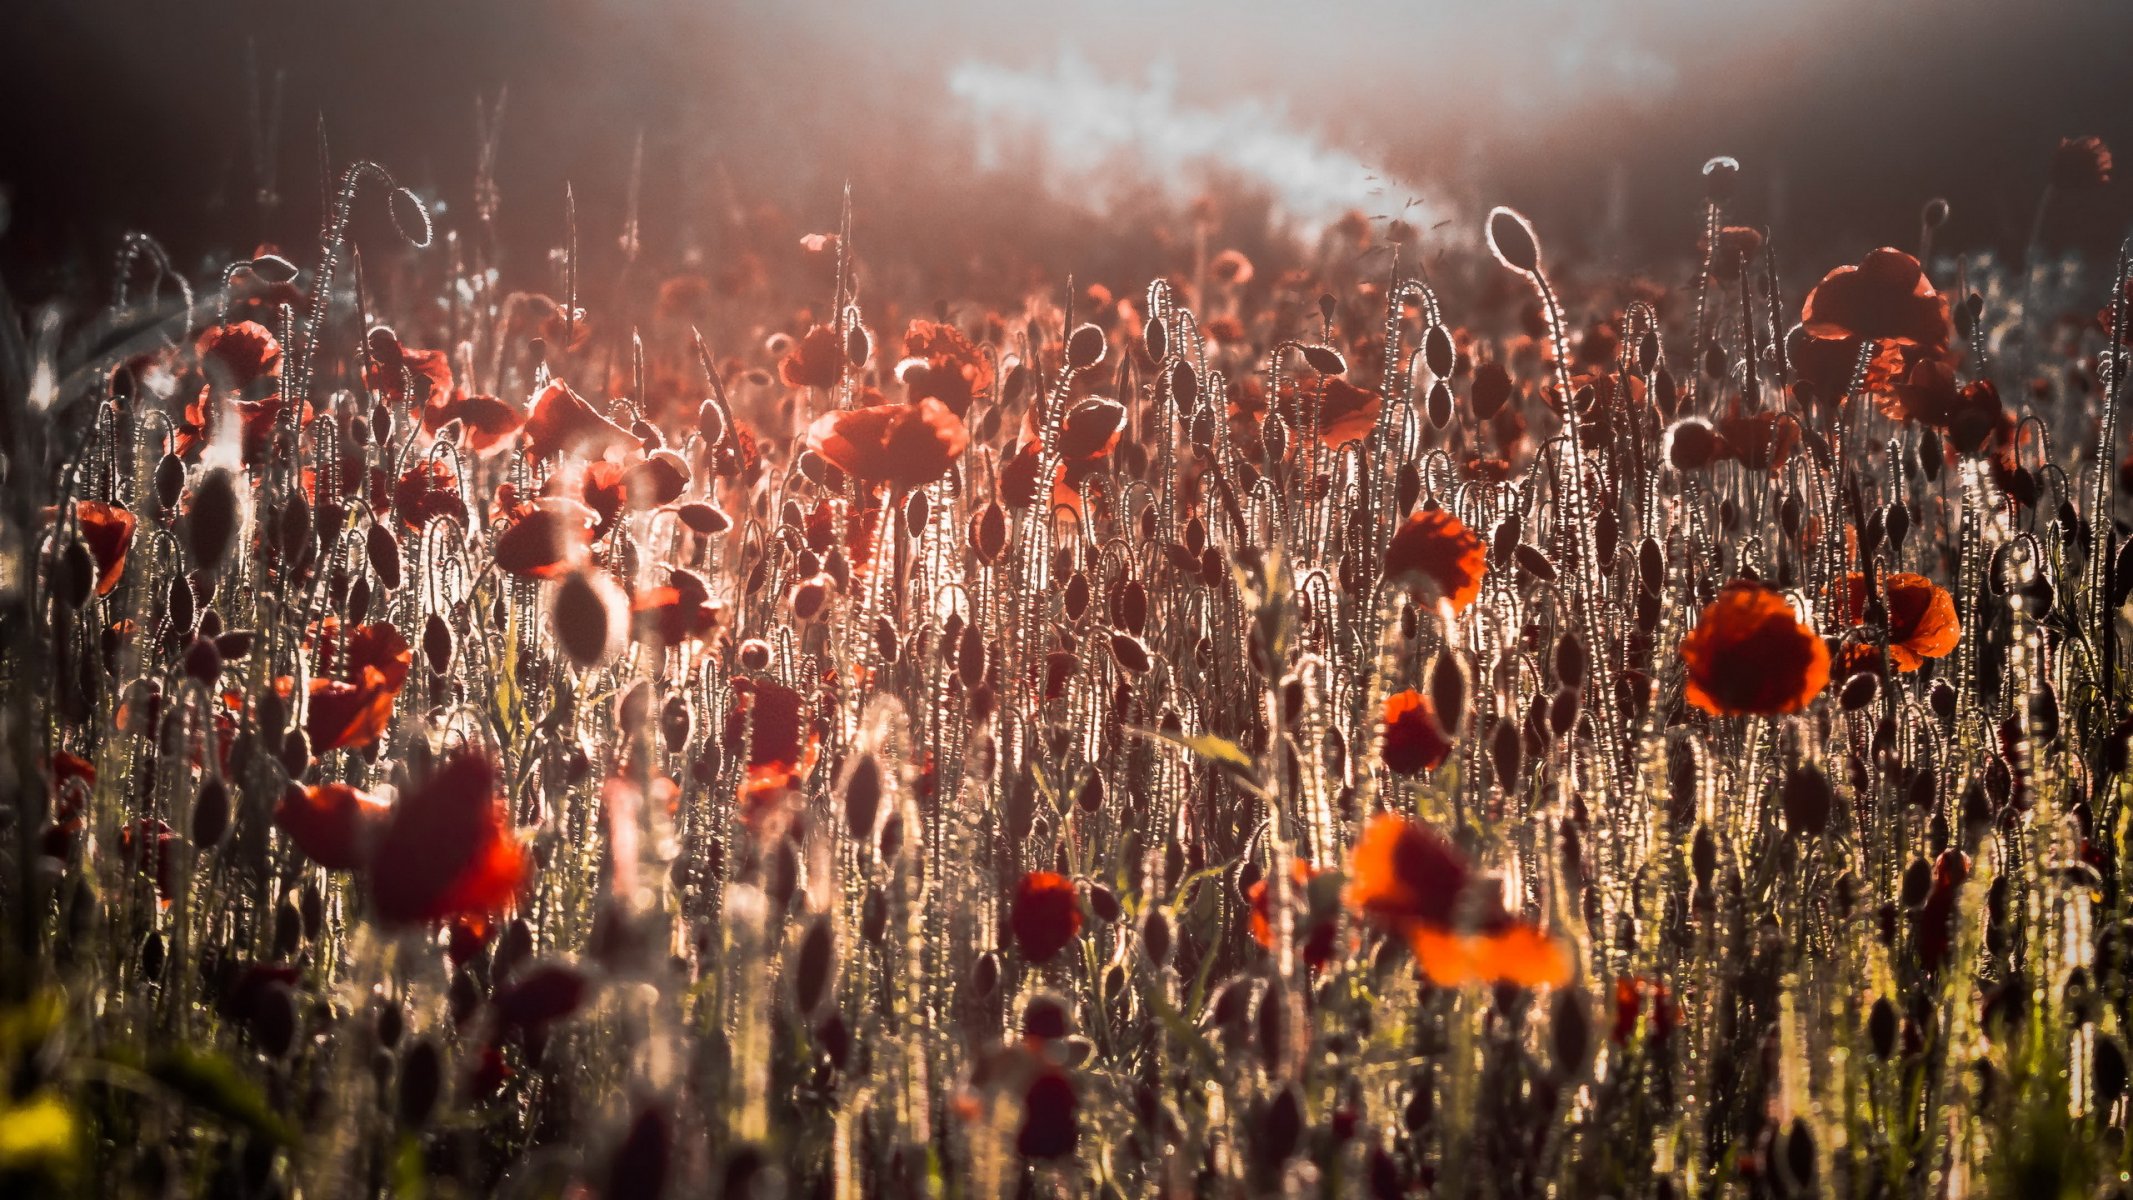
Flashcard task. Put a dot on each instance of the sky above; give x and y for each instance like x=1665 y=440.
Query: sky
x=1848 y=114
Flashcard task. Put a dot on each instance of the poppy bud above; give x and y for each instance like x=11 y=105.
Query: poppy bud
x=1086 y=348
x=1512 y=241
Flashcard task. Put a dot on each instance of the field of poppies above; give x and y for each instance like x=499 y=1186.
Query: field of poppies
x=1334 y=720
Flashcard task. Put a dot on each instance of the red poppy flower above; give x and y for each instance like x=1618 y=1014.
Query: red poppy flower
x=1408 y=880
x=349 y=715
x=1090 y=429
x=944 y=366
x=380 y=645
x=658 y=479
x=904 y=445
x=1414 y=742
x=1822 y=368
x=1046 y=916
x=334 y=824
x=447 y=849
x=1750 y=654
x=1631 y=993
x=601 y=487
x=816 y=361
x=670 y=615
x=2080 y=164
x=1936 y=930
x=236 y=357
x=545 y=542
x=400 y=375
x=1436 y=549
x=1759 y=441
x=1887 y=298
x=1922 y=620
x=1315 y=928
x=561 y=421
x=107 y=530
x=427 y=491
x=484 y=421
x=1348 y=413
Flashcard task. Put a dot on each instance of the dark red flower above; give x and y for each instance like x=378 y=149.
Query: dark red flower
x=335 y=825
x=400 y=375
x=1750 y=654
x=944 y=366
x=1921 y=615
x=342 y=714
x=484 y=421
x=1414 y=742
x=1407 y=879
x=773 y=718
x=1886 y=298
x=1435 y=549
x=238 y=356
x=817 y=360
x=562 y=422
x=2080 y=164
x=107 y=530
x=427 y=491
x=1316 y=923
x=904 y=445
x=1090 y=429
x=1046 y=916
x=448 y=848
x=545 y=542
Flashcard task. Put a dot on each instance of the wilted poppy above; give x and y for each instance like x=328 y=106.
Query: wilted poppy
x=1750 y=654
x=1436 y=549
x=1887 y=297
x=1046 y=915
x=1407 y=879
x=334 y=824
x=904 y=445
x=1921 y=615
x=547 y=540
x=1414 y=742
x=447 y=849
x=816 y=360
x=561 y=421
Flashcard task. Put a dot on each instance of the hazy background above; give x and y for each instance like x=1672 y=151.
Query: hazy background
x=125 y=114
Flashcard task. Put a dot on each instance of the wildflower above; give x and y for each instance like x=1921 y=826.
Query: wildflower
x=428 y=491
x=944 y=366
x=543 y=541
x=1407 y=879
x=1414 y=742
x=816 y=361
x=484 y=421
x=562 y=422
x=1887 y=297
x=107 y=530
x=1921 y=617
x=904 y=445
x=1436 y=550
x=334 y=824
x=1750 y=654
x=1317 y=916
x=447 y=848
x=1046 y=916
x=2081 y=164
